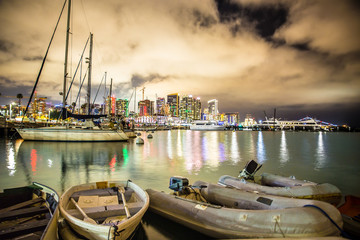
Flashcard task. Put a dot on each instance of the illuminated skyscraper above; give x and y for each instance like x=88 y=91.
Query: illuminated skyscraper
x=160 y=106
x=173 y=102
x=190 y=108
x=197 y=109
x=122 y=107
x=146 y=108
x=213 y=106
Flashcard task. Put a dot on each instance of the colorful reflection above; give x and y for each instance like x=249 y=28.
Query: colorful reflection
x=112 y=163
x=33 y=160
x=126 y=156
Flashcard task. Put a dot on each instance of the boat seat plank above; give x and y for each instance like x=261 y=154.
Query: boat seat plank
x=26 y=212
x=101 y=193
x=23 y=228
x=106 y=211
x=23 y=204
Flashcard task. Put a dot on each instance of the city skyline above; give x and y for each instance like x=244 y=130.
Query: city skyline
x=300 y=57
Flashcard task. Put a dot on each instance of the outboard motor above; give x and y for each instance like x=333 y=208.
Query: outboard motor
x=177 y=183
x=250 y=169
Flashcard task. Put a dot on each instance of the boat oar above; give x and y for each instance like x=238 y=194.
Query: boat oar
x=122 y=191
x=86 y=218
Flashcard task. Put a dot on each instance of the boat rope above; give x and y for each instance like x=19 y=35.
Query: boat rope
x=116 y=232
x=42 y=64
x=277 y=223
x=77 y=68
x=344 y=234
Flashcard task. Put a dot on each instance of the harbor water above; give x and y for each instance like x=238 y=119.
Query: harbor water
x=331 y=157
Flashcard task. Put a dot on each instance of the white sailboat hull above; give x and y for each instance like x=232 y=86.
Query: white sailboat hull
x=63 y=134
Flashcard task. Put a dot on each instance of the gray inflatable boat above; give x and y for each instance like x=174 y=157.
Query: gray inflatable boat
x=222 y=212
x=281 y=186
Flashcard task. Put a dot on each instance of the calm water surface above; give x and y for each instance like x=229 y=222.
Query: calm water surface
x=315 y=156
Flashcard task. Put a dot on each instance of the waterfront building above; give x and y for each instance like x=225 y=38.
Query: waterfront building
x=249 y=121
x=213 y=106
x=197 y=109
x=173 y=101
x=231 y=118
x=122 y=107
x=38 y=106
x=146 y=108
x=160 y=103
x=110 y=105
x=189 y=108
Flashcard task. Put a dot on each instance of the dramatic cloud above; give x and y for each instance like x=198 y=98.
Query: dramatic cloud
x=251 y=55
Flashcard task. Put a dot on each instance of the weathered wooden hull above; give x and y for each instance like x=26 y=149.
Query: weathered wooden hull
x=243 y=216
x=281 y=186
x=64 y=134
x=121 y=230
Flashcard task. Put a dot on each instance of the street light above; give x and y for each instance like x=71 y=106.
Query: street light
x=11 y=109
x=50 y=110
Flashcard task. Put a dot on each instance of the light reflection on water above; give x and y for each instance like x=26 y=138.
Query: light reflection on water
x=284 y=154
x=261 y=151
x=320 y=152
x=193 y=154
x=319 y=157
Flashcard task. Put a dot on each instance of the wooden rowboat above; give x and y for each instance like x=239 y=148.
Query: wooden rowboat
x=28 y=212
x=104 y=210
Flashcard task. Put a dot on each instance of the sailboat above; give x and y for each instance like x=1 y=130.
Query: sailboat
x=87 y=133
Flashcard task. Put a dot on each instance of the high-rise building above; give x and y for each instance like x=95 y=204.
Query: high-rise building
x=190 y=108
x=173 y=102
x=122 y=107
x=160 y=106
x=213 y=106
x=197 y=109
x=110 y=105
x=146 y=108
x=186 y=108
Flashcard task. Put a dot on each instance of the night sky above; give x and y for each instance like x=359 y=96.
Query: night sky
x=300 y=57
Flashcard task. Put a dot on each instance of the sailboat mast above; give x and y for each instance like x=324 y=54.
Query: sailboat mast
x=110 y=100
x=89 y=76
x=66 y=54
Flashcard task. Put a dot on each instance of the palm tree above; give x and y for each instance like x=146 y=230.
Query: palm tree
x=73 y=106
x=19 y=96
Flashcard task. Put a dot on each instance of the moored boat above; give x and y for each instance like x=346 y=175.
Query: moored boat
x=281 y=186
x=28 y=211
x=206 y=125
x=104 y=210
x=350 y=211
x=222 y=212
x=68 y=134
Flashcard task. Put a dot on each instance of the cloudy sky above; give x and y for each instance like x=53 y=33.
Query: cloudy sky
x=300 y=57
